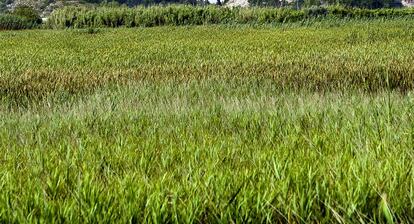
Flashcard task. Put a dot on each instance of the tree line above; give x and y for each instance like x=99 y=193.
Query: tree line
x=370 y=4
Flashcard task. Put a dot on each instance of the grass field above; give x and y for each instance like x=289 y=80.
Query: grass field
x=208 y=124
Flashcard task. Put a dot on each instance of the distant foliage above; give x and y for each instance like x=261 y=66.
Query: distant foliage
x=23 y=17
x=83 y=17
x=369 y=4
x=13 y=22
x=3 y=7
x=28 y=13
x=132 y=3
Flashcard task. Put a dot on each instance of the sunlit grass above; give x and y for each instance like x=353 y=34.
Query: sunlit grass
x=208 y=124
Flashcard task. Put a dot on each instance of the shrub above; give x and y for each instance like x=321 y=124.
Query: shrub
x=12 y=22
x=28 y=13
x=22 y=17
x=315 y=11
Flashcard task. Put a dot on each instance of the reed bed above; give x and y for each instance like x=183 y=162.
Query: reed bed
x=179 y=15
x=369 y=56
x=210 y=124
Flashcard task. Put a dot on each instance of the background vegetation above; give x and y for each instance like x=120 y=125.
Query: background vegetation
x=113 y=15
x=187 y=15
x=46 y=6
x=208 y=124
x=10 y=22
x=23 y=17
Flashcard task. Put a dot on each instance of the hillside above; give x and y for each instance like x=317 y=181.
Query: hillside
x=44 y=7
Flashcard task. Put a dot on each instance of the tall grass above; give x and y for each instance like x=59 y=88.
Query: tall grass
x=81 y=17
x=208 y=151
x=208 y=124
x=367 y=56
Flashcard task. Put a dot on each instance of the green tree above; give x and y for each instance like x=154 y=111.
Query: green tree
x=28 y=13
x=3 y=7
